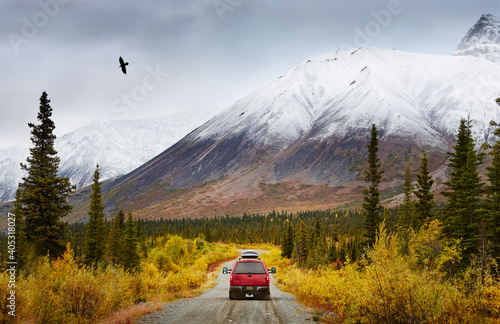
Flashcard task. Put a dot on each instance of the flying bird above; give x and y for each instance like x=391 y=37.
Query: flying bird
x=123 y=65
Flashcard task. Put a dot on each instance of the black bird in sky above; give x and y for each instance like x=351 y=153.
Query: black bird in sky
x=123 y=65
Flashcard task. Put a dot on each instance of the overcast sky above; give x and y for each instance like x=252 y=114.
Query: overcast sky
x=190 y=55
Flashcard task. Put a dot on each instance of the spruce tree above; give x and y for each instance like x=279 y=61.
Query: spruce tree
x=301 y=246
x=425 y=199
x=371 y=200
x=95 y=237
x=130 y=257
x=458 y=160
x=406 y=208
x=333 y=253
x=116 y=238
x=208 y=233
x=462 y=214
x=493 y=191
x=315 y=233
x=43 y=196
x=287 y=246
x=139 y=229
x=318 y=254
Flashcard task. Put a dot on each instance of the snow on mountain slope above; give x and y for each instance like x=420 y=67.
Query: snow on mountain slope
x=482 y=40
x=312 y=124
x=117 y=146
x=10 y=171
x=335 y=95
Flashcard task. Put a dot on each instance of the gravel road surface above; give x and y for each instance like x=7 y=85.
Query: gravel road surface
x=214 y=306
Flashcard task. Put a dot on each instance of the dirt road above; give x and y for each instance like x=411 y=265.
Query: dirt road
x=214 y=306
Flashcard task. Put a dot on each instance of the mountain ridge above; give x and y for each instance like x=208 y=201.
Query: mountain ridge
x=482 y=40
x=326 y=107
x=301 y=140
x=118 y=146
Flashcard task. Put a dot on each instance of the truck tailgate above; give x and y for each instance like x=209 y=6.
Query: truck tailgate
x=249 y=280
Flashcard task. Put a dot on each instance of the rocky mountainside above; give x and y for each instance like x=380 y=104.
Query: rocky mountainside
x=482 y=40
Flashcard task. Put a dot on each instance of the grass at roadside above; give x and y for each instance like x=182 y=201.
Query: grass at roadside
x=63 y=291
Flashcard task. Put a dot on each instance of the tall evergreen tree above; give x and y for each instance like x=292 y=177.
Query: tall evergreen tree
x=116 y=238
x=492 y=205
x=208 y=233
x=425 y=199
x=318 y=254
x=315 y=234
x=333 y=253
x=130 y=256
x=139 y=229
x=458 y=160
x=371 y=200
x=301 y=246
x=287 y=246
x=462 y=214
x=95 y=237
x=406 y=208
x=43 y=196
x=493 y=191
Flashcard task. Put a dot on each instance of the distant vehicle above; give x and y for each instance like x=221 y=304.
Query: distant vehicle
x=249 y=254
x=249 y=276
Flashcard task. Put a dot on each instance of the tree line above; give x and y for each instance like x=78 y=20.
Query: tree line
x=470 y=217
x=42 y=201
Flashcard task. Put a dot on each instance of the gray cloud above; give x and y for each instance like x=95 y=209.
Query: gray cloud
x=213 y=51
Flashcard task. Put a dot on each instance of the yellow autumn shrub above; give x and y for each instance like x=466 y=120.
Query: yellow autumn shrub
x=63 y=291
x=19 y=306
x=388 y=286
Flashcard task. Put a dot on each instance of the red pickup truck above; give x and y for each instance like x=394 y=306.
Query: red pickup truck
x=249 y=276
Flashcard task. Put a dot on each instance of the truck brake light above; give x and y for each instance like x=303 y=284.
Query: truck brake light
x=231 y=279
x=267 y=279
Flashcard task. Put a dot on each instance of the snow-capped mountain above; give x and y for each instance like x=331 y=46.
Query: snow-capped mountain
x=335 y=95
x=117 y=146
x=482 y=40
x=10 y=171
x=312 y=124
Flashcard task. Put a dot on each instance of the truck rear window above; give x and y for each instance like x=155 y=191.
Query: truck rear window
x=249 y=267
